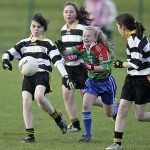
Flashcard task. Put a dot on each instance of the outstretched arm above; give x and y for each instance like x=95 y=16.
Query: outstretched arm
x=64 y=51
x=67 y=52
x=98 y=69
x=119 y=64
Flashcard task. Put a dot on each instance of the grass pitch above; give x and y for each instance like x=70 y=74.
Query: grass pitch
x=14 y=27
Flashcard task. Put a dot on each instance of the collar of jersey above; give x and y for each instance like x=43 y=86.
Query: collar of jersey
x=92 y=45
x=129 y=34
x=73 y=26
x=40 y=38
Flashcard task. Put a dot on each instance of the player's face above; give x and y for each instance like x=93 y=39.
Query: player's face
x=88 y=37
x=36 y=29
x=121 y=29
x=69 y=14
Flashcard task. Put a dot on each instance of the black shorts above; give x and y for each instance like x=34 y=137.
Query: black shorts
x=30 y=82
x=78 y=74
x=136 y=88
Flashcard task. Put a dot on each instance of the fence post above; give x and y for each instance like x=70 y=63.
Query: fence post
x=140 y=10
x=30 y=13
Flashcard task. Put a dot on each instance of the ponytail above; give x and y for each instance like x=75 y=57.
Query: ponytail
x=139 y=29
x=128 y=21
x=102 y=38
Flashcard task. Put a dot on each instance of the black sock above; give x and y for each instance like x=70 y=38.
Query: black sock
x=118 y=137
x=56 y=116
x=30 y=132
x=76 y=123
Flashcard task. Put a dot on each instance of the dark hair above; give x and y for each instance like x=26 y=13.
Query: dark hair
x=82 y=14
x=41 y=20
x=130 y=23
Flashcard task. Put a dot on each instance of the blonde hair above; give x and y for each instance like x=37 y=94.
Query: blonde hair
x=102 y=38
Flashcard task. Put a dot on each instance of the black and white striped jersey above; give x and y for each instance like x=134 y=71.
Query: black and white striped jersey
x=138 y=55
x=72 y=37
x=42 y=49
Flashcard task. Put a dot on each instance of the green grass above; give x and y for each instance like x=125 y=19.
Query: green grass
x=14 y=27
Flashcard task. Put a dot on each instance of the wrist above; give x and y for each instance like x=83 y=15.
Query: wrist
x=92 y=68
x=89 y=67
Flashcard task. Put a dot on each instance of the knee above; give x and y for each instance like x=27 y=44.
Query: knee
x=27 y=104
x=69 y=99
x=39 y=98
x=85 y=108
x=139 y=117
x=109 y=114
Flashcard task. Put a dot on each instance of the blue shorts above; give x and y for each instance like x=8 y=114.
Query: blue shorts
x=105 y=88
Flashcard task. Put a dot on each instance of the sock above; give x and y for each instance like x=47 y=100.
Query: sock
x=56 y=116
x=118 y=137
x=76 y=123
x=30 y=132
x=87 y=121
